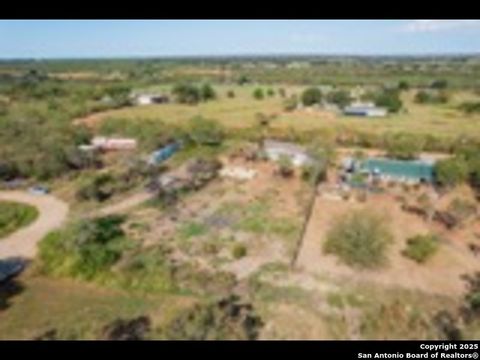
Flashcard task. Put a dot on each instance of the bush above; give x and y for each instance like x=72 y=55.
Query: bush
x=258 y=94
x=439 y=84
x=226 y=319
x=230 y=94
x=421 y=247
x=452 y=171
x=270 y=92
x=85 y=249
x=207 y=92
x=470 y=107
x=239 y=251
x=403 y=146
x=360 y=239
x=340 y=98
x=389 y=99
x=426 y=97
x=311 y=96
x=100 y=188
x=187 y=93
x=205 y=131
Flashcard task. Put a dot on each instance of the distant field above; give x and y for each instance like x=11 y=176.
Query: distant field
x=240 y=112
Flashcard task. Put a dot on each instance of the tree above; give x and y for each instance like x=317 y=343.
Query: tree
x=360 y=239
x=452 y=171
x=207 y=92
x=389 y=99
x=186 y=93
x=258 y=94
x=403 y=85
x=339 y=97
x=403 y=146
x=439 y=84
x=205 y=131
x=311 y=96
x=243 y=79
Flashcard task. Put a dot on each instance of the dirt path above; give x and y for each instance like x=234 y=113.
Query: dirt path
x=23 y=243
x=129 y=202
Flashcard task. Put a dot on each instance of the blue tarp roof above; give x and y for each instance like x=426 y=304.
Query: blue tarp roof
x=414 y=169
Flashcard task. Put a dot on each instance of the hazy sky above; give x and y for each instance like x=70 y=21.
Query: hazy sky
x=102 y=38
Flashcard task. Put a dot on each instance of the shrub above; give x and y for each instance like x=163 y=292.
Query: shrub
x=389 y=99
x=100 y=188
x=339 y=97
x=470 y=107
x=403 y=146
x=187 y=93
x=207 y=92
x=226 y=319
x=428 y=97
x=85 y=249
x=421 y=247
x=311 y=96
x=239 y=251
x=258 y=94
x=205 y=131
x=360 y=239
x=439 y=84
x=452 y=171
x=230 y=94
x=270 y=92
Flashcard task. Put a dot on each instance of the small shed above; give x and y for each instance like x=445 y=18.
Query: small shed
x=365 y=110
x=297 y=154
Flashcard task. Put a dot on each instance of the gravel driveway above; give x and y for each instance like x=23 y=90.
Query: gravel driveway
x=23 y=243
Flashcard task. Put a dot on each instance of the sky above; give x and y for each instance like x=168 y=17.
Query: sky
x=158 y=38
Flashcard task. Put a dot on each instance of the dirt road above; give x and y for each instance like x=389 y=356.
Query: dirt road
x=23 y=243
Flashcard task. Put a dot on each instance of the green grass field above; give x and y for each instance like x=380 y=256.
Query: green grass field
x=14 y=216
x=240 y=112
x=76 y=310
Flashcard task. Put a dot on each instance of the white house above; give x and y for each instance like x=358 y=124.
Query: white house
x=276 y=149
x=365 y=109
x=148 y=99
x=104 y=143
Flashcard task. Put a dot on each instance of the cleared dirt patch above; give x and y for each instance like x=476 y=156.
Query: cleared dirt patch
x=441 y=274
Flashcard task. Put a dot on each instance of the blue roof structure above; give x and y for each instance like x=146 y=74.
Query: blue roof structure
x=416 y=170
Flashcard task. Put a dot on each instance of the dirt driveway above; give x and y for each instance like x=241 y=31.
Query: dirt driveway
x=23 y=243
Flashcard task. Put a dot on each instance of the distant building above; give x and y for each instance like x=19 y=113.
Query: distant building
x=148 y=99
x=364 y=109
x=105 y=143
x=276 y=149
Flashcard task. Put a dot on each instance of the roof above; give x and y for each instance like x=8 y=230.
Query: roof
x=283 y=146
x=363 y=109
x=414 y=169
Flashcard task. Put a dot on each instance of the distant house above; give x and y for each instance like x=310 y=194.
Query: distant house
x=276 y=149
x=364 y=109
x=105 y=143
x=148 y=99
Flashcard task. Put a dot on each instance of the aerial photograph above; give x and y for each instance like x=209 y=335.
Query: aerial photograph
x=240 y=180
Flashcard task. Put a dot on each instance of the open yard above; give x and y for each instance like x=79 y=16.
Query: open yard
x=240 y=112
